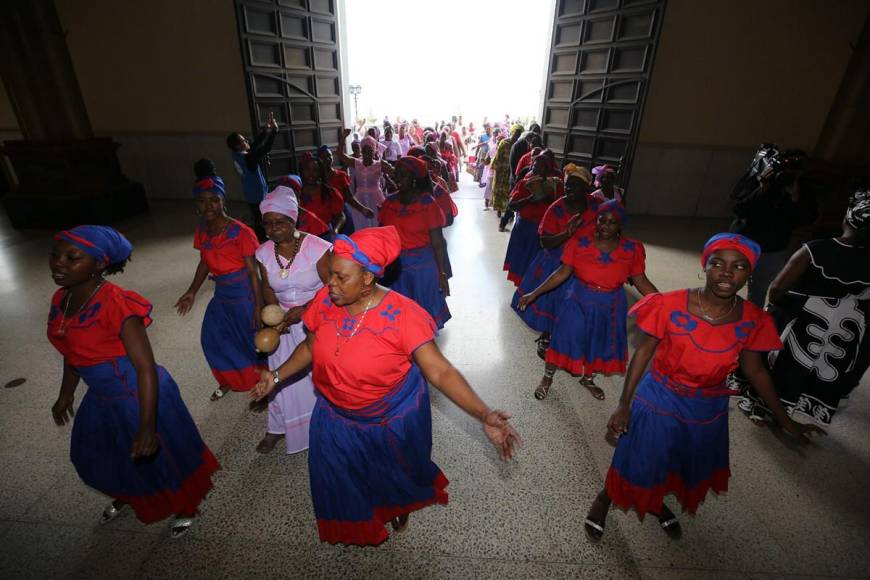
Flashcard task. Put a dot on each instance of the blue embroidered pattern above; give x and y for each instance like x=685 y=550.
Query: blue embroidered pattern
x=584 y=242
x=683 y=320
x=90 y=312
x=605 y=258
x=628 y=245
x=743 y=329
x=390 y=312
x=348 y=324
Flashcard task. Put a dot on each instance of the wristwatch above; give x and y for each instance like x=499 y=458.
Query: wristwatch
x=275 y=378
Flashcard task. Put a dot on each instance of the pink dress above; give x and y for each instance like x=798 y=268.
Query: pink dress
x=290 y=407
x=368 y=190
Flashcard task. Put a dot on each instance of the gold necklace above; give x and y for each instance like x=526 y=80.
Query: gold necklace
x=338 y=336
x=711 y=318
x=61 y=331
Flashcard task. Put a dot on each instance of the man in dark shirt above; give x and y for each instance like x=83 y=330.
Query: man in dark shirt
x=769 y=216
x=246 y=158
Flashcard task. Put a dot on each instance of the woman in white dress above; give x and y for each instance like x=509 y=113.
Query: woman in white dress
x=293 y=267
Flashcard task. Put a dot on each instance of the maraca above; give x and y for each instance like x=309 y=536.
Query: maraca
x=266 y=340
x=272 y=315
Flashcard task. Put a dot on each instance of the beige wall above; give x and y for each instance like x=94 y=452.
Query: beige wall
x=161 y=66
x=728 y=76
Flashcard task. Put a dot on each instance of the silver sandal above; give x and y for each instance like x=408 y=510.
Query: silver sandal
x=111 y=512
x=180 y=526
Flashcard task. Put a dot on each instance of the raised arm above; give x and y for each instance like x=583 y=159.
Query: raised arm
x=444 y=377
x=342 y=156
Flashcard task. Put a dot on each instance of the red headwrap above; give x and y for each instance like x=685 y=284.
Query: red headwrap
x=416 y=166
x=372 y=248
x=727 y=241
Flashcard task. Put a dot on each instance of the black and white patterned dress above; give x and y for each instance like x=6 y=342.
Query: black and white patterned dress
x=823 y=325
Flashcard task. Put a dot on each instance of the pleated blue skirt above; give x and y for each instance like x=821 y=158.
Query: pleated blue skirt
x=522 y=248
x=373 y=464
x=540 y=315
x=415 y=275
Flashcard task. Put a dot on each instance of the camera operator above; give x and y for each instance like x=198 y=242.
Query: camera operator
x=769 y=215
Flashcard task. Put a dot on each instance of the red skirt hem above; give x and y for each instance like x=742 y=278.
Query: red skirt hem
x=583 y=367
x=626 y=495
x=239 y=380
x=512 y=276
x=373 y=532
x=184 y=500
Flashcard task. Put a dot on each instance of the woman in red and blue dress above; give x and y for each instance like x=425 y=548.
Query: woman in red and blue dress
x=341 y=182
x=530 y=207
x=132 y=437
x=589 y=333
x=565 y=217
x=672 y=420
x=226 y=248
x=372 y=352
x=442 y=197
x=420 y=272
x=323 y=205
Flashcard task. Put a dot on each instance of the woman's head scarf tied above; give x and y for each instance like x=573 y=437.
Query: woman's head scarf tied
x=369 y=142
x=614 y=207
x=105 y=244
x=212 y=183
x=372 y=248
x=282 y=201
x=578 y=171
x=728 y=241
x=858 y=212
x=415 y=166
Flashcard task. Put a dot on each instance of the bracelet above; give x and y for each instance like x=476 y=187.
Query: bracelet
x=275 y=378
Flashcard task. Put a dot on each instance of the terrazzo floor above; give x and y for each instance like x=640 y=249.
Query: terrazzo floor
x=789 y=513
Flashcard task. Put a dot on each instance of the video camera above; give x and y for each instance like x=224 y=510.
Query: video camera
x=768 y=162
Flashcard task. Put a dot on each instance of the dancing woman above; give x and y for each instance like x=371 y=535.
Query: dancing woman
x=372 y=351
x=293 y=266
x=672 y=420
x=323 y=205
x=589 y=333
x=132 y=438
x=226 y=247
x=566 y=216
x=367 y=176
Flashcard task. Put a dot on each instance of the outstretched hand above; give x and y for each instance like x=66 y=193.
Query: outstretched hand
x=802 y=431
x=185 y=303
x=263 y=387
x=503 y=437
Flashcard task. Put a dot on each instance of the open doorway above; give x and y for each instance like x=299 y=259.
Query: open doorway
x=440 y=61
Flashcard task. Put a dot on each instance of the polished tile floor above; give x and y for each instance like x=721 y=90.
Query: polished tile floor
x=788 y=514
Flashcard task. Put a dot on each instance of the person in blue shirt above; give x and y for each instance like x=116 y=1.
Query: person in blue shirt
x=246 y=158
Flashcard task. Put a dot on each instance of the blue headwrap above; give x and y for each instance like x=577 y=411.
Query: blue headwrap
x=105 y=244
x=614 y=207
x=323 y=149
x=214 y=183
x=728 y=241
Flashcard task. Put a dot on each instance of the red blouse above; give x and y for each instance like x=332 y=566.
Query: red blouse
x=226 y=252
x=444 y=200
x=94 y=335
x=605 y=270
x=339 y=180
x=414 y=220
x=325 y=211
x=556 y=219
x=692 y=351
x=372 y=362
x=534 y=212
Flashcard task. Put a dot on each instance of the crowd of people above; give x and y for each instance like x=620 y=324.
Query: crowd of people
x=356 y=258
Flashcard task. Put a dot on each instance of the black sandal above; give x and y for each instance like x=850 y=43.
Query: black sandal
x=670 y=524
x=543 y=390
x=594 y=527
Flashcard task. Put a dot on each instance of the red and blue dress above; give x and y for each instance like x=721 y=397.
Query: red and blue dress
x=524 y=241
x=589 y=333
x=320 y=213
x=341 y=182
x=541 y=314
x=677 y=439
x=371 y=429
x=228 y=325
x=177 y=478
x=415 y=274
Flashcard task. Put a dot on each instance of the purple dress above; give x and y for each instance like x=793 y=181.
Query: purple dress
x=368 y=190
x=291 y=404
